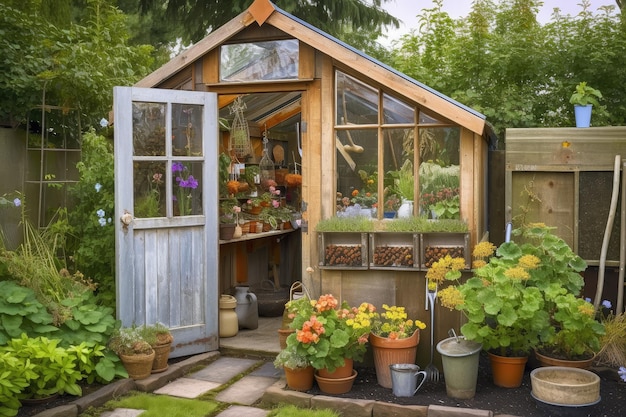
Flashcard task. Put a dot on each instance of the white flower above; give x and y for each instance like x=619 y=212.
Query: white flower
x=98 y=186
x=104 y=122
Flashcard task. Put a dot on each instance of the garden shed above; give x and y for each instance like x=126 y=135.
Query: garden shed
x=361 y=135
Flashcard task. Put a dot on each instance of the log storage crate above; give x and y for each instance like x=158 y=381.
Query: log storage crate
x=437 y=245
x=394 y=250
x=343 y=250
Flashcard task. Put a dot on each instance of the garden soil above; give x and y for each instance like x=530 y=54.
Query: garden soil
x=511 y=401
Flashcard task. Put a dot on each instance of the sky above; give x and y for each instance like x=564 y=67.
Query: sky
x=407 y=10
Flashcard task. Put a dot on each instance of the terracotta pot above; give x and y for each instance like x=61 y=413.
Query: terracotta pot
x=254 y=210
x=550 y=361
x=283 y=334
x=138 y=366
x=300 y=379
x=161 y=356
x=507 y=371
x=391 y=351
x=342 y=372
x=335 y=385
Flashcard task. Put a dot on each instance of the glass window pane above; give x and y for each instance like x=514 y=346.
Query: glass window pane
x=439 y=172
x=425 y=119
x=148 y=129
x=186 y=130
x=399 y=182
x=187 y=188
x=396 y=111
x=149 y=188
x=357 y=172
x=357 y=102
x=271 y=60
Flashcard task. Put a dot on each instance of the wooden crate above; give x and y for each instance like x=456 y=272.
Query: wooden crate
x=343 y=250
x=436 y=245
x=391 y=250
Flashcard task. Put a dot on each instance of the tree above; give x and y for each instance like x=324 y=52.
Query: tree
x=352 y=18
x=72 y=66
x=502 y=62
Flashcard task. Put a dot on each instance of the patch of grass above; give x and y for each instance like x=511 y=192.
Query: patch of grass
x=293 y=411
x=163 y=405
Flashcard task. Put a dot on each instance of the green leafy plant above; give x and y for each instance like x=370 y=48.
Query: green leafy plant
x=16 y=377
x=327 y=334
x=585 y=95
x=525 y=297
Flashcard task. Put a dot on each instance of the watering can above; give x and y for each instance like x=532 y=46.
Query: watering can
x=404 y=379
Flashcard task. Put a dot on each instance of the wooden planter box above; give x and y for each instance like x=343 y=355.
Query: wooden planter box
x=437 y=245
x=394 y=250
x=343 y=250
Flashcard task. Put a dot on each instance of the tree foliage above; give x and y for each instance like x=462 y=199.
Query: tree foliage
x=353 y=20
x=502 y=62
x=70 y=65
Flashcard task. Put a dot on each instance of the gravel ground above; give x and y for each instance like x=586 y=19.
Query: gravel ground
x=513 y=401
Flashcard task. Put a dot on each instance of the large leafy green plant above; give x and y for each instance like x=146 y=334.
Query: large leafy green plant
x=525 y=297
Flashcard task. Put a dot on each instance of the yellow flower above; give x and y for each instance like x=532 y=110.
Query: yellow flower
x=450 y=297
x=587 y=309
x=529 y=262
x=478 y=263
x=484 y=249
x=517 y=273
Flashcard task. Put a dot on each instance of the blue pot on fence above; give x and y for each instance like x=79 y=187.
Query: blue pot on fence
x=583 y=115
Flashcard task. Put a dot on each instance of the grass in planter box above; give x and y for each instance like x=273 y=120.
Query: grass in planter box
x=345 y=224
x=424 y=225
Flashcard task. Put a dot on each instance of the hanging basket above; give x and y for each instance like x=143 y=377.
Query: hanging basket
x=240 y=143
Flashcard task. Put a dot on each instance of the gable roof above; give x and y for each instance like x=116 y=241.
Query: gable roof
x=265 y=12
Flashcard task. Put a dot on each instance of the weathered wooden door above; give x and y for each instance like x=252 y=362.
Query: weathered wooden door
x=166 y=189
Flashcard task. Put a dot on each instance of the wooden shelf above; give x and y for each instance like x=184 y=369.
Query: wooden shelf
x=254 y=236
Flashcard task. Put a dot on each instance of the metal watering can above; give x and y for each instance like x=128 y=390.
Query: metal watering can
x=404 y=379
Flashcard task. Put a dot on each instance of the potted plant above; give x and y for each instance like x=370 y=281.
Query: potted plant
x=583 y=99
x=394 y=339
x=298 y=369
x=527 y=297
x=229 y=217
x=134 y=347
x=161 y=341
x=331 y=337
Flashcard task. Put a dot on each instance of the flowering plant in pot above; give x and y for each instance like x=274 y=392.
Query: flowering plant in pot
x=328 y=334
x=394 y=339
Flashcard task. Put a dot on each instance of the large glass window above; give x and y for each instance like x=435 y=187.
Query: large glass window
x=380 y=164
x=270 y=60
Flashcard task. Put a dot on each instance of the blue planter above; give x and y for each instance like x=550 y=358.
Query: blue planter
x=583 y=115
x=389 y=214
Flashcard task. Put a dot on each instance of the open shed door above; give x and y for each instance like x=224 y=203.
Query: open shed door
x=166 y=188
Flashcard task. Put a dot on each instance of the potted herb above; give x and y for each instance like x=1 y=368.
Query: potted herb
x=161 y=340
x=298 y=369
x=134 y=347
x=583 y=99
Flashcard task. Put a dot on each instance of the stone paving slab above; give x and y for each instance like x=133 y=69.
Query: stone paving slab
x=224 y=369
x=241 y=411
x=247 y=390
x=122 y=412
x=269 y=370
x=187 y=388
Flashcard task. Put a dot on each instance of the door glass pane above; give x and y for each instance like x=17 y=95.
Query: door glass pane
x=439 y=173
x=148 y=129
x=187 y=188
x=186 y=130
x=149 y=188
x=357 y=102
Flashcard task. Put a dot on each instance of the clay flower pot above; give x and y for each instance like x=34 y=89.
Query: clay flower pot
x=335 y=385
x=391 y=351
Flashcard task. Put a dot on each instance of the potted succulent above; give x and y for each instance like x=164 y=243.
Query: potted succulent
x=134 y=347
x=583 y=99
